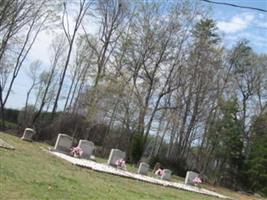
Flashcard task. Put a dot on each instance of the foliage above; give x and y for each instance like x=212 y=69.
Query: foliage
x=256 y=166
x=137 y=148
x=226 y=141
x=25 y=117
x=178 y=167
x=149 y=81
x=11 y=115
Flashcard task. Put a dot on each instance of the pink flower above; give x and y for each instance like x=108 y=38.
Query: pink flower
x=76 y=151
x=159 y=172
x=197 y=180
x=120 y=164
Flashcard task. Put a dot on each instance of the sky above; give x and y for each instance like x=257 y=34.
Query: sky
x=236 y=23
x=233 y=23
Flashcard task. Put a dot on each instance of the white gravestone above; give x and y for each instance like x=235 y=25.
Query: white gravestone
x=190 y=177
x=87 y=148
x=63 y=143
x=28 y=134
x=166 y=174
x=143 y=168
x=115 y=154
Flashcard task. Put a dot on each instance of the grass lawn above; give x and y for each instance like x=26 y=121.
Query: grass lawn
x=29 y=173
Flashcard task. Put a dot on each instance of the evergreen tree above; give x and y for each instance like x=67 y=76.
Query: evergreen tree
x=226 y=140
x=256 y=168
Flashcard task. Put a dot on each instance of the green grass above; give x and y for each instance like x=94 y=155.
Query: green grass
x=29 y=173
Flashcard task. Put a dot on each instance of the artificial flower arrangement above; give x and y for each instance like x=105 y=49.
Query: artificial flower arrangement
x=159 y=172
x=197 y=181
x=121 y=164
x=76 y=152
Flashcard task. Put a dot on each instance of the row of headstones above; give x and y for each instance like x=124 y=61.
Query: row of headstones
x=143 y=168
x=64 y=143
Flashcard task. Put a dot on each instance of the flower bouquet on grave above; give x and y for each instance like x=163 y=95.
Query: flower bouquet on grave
x=159 y=172
x=120 y=164
x=76 y=152
x=197 y=181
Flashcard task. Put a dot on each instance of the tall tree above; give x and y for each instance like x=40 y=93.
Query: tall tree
x=27 y=19
x=83 y=9
x=226 y=143
x=256 y=166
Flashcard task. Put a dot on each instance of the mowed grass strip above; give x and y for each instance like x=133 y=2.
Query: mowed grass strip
x=29 y=173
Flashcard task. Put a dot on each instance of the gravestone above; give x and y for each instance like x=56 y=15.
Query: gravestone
x=143 y=168
x=87 y=147
x=63 y=143
x=190 y=177
x=28 y=134
x=115 y=154
x=166 y=175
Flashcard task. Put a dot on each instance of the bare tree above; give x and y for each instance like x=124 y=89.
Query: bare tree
x=34 y=69
x=83 y=9
x=28 y=18
x=57 y=47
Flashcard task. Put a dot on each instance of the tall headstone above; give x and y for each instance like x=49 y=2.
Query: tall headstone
x=190 y=177
x=115 y=154
x=87 y=147
x=166 y=175
x=28 y=134
x=143 y=168
x=63 y=143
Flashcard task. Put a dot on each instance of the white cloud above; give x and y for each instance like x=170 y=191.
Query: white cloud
x=237 y=23
x=261 y=16
x=261 y=24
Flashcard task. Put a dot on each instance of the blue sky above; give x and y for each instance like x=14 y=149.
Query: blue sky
x=234 y=24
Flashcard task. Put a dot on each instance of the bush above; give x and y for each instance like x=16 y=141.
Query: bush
x=177 y=167
x=256 y=166
x=25 y=118
x=153 y=161
x=137 y=148
x=11 y=115
x=67 y=123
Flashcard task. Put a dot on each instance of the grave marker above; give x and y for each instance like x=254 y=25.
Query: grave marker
x=87 y=147
x=115 y=154
x=63 y=143
x=190 y=177
x=28 y=134
x=143 y=168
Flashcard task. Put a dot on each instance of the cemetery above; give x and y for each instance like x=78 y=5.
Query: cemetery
x=142 y=174
x=113 y=166
x=133 y=99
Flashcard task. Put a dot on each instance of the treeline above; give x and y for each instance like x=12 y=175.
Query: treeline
x=154 y=80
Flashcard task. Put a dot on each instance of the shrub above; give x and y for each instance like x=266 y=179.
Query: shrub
x=137 y=148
